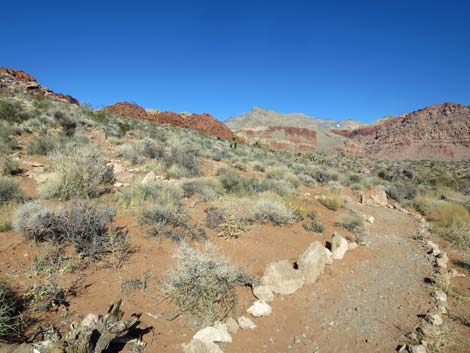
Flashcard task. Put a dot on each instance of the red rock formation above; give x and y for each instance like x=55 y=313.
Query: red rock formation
x=18 y=79
x=204 y=122
x=440 y=131
x=282 y=137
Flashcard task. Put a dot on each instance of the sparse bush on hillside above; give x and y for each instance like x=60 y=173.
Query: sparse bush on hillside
x=42 y=144
x=162 y=192
x=207 y=189
x=66 y=122
x=331 y=200
x=401 y=191
x=9 y=191
x=446 y=214
x=37 y=222
x=82 y=173
x=258 y=167
x=314 y=226
x=11 y=318
x=181 y=161
x=8 y=166
x=355 y=224
x=12 y=112
x=202 y=284
x=7 y=142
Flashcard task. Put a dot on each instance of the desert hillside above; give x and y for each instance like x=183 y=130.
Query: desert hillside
x=127 y=230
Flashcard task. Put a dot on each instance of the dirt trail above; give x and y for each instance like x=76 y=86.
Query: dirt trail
x=364 y=303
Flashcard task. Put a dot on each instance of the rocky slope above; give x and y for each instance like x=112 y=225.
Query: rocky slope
x=304 y=132
x=204 y=122
x=16 y=81
x=440 y=131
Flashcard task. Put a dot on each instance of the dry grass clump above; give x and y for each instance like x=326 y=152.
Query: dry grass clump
x=354 y=224
x=202 y=284
x=445 y=214
x=9 y=166
x=82 y=173
x=314 y=226
x=303 y=208
x=11 y=319
x=332 y=200
x=203 y=189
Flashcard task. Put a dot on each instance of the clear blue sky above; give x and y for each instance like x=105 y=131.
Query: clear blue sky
x=338 y=59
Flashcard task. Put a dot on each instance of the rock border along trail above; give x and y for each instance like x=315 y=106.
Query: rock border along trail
x=365 y=302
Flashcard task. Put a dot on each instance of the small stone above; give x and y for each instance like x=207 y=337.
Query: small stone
x=441 y=260
x=371 y=219
x=208 y=334
x=245 y=323
x=418 y=349
x=339 y=246
x=454 y=273
x=328 y=256
x=435 y=319
x=197 y=346
x=223 y=330
x=439 y=295
x=260 y=308
x=148 y=178
x=232 y=325
x=264 y=293
x=352 y=245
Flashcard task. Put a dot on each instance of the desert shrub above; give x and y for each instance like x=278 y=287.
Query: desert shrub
x=12 y=112
x=302 y=208
x=82 y=224
x=354 y=224
x=206 y=188
x=37 y=222
x=307 y=180
x=6 y=215
x=401 y=191
x=231 y=181
x=7 y=142
x=229 y=227
x=11 y=318
x=281 y=187
x=270 y=208
x=314 y=226
x=42 y=144
x=240 y=166
x=214 y=218
x=82 y=173
x=9 y=166
x=181 y=160
x=129 y=152
x=331 y=200
x=46 y=295
x=163 y=214
x=202 y=284
x=66 y=122
x=258 y=167
x=9 y=191
x=322 y=175
x=445 y=214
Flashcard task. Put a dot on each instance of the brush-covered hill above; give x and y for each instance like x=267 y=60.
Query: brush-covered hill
x=294 y=130
x=437 y=132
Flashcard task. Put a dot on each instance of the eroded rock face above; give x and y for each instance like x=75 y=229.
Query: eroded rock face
x=376 y=196
x=282 y=137
x=282 y=278
x=204 y=122
x=17 y=80
x=440 y=131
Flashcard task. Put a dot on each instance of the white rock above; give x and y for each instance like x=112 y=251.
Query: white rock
x=148 y=178
x=441 y=260
x=312 y=262
x=264 y=293
x=208 y=334
x=282 y=278
x=352 y=245
x=328 y=256
x=223 y=330
x=439 y=295
x=197 y=346
x=435 y=319
x=371 y=219
x=260 y=308
x=454 y=273
x=418 y=349
x=232 y=325
x=339 y=246
x=245 y=323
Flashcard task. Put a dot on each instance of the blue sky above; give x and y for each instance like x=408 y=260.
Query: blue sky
x=337 y=59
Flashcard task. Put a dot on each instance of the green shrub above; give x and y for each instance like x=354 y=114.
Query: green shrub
x=331 y=200
x=11 y=319
x=314 y=226
x=202 y=284
x=9 y=191
x=206 y=188
x=8 y=166
x=82 y=173
x=162 y=192
x=163 y=214
x=12 y=112
x=399 y=192
x=355 y=225
x=7 y=142
x=42 y=145
x=271 y=208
